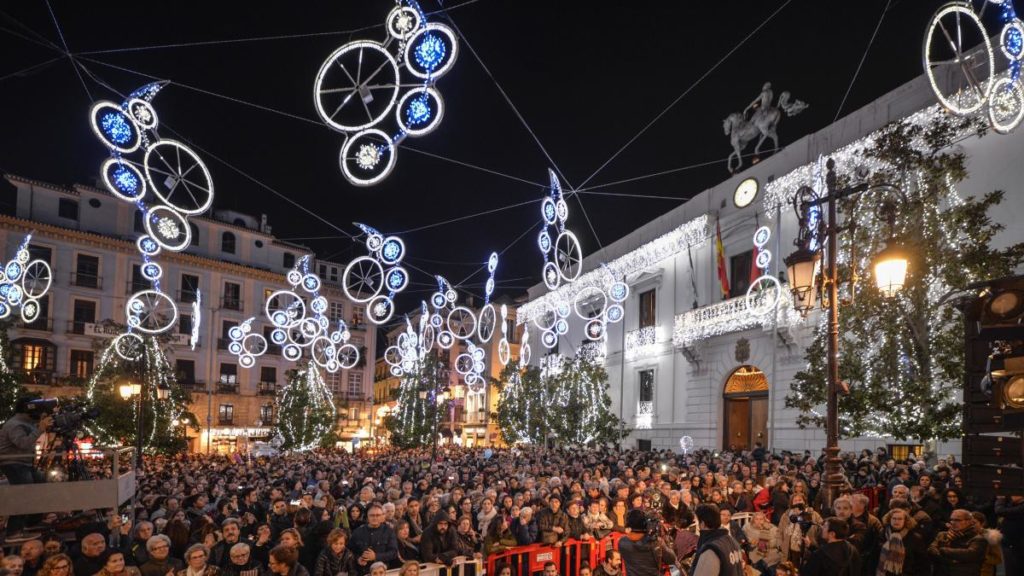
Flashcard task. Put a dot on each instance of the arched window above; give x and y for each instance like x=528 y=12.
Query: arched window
x=227 y=242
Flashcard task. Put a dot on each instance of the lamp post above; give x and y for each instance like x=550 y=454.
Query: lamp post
x=890 y=271
x=129 y=391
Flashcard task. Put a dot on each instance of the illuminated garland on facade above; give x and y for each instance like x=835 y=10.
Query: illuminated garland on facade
x=689 y=235
x=730 y=316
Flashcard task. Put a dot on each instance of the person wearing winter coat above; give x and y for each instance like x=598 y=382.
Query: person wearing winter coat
x=836 y=555
x=959 y=551
x=597 y=522
x=764 y=551
x=1010 y=511
x=552 y=523
x=499 y=537
x=438 y=543
x=798 y=522
x=994 y=553
x=240 y=562
x=524 y=528
x=335 y=559
x=903 y=550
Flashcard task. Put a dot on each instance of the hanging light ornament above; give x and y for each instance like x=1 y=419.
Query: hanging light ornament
x=356 y=91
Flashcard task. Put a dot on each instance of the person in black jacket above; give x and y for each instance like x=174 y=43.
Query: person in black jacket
x=438 y=543
x=374 y=541
x=642 y=553
x=1011 y=512
x=241 y=562
x=524 y=528
x=718 y=553
x=335 y=559
x=837 y=557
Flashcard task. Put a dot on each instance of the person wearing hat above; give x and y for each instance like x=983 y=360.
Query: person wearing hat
x=642 y=553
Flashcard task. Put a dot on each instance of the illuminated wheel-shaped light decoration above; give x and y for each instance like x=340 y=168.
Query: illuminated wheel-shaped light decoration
x=380 y=309
x=348 y=356
x=464 y=364
x=311 y=283
x=951 y=36
x=763 y=295
x=618 y=292
x=561 y=327
x=356 y=86
x=546 y=319
x=278 y=336
x=123 y=179
x=419 y=111
x=549 y=339
x=504 y=352
x=614 y=313
x=1011 y=40
x=30 y=310
x=437 y=300
x=595 y=329
x=392 y=250
x=548 y=211
x=563 y=309
x=363 y=279
x=544 y=241
x=764 y=258
x=1006 y=105
x=115 y=127
x=143 y=113
x=403 y=21
x=461 y=323
x=431 y=51
x=291 y=352
x=428 y=337
x=551 y=276
x=147 y=246
x=178 y=177
x=568 y=256
x=285 y=309
x=525 y=353
x=322 y=351
x=254 y=344
x=5 y=310
x=13 y=271
x=168 y=228
x=436 y=320
x=14 y=294
x=151 y=271
x=487 y=323
x=151 y=312
x=36 y=279
x=590 y=302
x=445 y=339
x=128 y=346
x=562 y=210
x=761 y=236
x=367 y=157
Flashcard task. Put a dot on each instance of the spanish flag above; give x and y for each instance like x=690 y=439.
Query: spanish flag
x=723 y=275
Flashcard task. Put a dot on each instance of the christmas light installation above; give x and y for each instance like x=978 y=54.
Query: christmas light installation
x=298 y=327
x=764 y=292
x=374 y=280
x=305 y=410
x=563 y=265
x=23 y=282
x=356 y=91
x=960 y=63
x=176 y=184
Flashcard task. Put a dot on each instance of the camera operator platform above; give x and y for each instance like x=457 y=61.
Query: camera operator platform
x=27 y=493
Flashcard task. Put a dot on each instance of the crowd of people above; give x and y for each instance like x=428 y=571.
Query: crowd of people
x=329 y=513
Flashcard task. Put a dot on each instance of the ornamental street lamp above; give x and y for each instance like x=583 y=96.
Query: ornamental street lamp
x=806 y=278
x=129 y=391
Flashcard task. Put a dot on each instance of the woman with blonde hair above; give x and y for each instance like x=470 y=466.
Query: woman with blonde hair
x=410 y=568
x=57 y=565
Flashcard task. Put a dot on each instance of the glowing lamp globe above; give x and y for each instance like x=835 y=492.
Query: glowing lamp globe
x=890 y=270
x=129 y=390
x=802 y=267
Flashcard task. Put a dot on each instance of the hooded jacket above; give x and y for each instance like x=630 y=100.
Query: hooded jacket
x=436 y=546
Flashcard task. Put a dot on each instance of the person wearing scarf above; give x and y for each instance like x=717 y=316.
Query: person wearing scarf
x=485 y=515
x=903 y=549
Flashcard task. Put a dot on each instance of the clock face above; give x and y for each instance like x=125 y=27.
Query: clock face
x=745 y=193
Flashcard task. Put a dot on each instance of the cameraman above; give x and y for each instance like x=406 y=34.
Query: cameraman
x=642 y=548
x=18 y=437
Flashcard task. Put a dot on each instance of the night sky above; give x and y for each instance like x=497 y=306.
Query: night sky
x=586 y=76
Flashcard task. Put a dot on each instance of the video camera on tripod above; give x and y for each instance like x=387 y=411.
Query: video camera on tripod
x=67 y=422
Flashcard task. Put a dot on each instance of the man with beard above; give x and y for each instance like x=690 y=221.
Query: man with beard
x=836 y=556
x=612 y=565
x=415 y=519
x=438 y=543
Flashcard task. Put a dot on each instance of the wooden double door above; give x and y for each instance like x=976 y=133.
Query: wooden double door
x=746 y=421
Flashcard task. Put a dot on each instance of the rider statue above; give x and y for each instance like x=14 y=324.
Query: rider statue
x=762 y=122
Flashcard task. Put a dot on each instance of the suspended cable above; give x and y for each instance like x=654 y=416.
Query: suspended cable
x=67 y=52
x=201 y=43
x=468 y=216
x=863 y=57
x=473 y=166
x=30 y=68
x=500 y=253
x=687 y=91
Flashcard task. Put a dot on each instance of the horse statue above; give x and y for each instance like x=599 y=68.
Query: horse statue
x=762 y=123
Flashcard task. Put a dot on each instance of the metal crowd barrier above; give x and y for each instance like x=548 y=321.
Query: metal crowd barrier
x=530 y=559
x=462 y=566
x=72 y=495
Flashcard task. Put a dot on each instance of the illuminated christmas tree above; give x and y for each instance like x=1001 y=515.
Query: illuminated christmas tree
x=306 y=415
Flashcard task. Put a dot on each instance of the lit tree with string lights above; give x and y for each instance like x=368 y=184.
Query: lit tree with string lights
x=121 y=387
x=901 y=355
x=306 y=415
x=423 y=400
x=10 y=384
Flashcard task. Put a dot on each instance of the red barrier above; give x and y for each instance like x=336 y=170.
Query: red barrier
x=530 y=559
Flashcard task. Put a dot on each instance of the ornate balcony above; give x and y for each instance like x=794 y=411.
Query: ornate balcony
x=735 y=315
x=641 y=342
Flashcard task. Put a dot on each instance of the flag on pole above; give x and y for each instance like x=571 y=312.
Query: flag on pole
x=723 y=276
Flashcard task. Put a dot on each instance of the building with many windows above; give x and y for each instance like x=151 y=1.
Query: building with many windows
x=470 y=421
x=686 y=362
x=88 y=237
